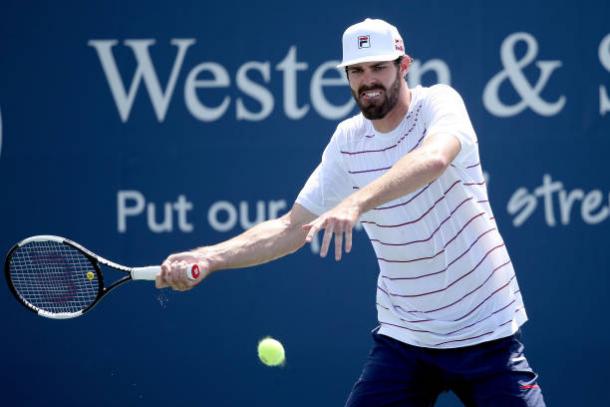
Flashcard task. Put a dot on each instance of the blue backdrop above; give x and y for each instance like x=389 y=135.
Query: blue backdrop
x=145 y=127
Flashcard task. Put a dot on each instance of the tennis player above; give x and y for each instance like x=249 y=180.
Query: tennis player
x=408 y=168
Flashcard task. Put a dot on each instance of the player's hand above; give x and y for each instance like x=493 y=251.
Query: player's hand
x=175 y=269
x=339 y=221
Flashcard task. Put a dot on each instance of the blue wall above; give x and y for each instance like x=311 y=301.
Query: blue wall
x=77 y=158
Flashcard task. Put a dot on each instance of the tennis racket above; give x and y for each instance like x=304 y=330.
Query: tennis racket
x=60 y=279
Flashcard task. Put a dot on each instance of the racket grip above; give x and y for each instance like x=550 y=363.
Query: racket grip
x=151 y=272
x=145 y=273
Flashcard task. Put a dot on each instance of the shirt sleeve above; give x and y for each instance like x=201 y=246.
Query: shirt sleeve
x=329 y=183
x=447 y=115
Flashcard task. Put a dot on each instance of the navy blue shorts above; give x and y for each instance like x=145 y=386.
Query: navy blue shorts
x=490 y=374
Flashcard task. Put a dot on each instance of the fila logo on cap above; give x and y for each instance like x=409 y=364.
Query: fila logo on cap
x=364 y=41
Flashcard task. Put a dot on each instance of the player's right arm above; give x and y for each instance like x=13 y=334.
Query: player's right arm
x=260 y=244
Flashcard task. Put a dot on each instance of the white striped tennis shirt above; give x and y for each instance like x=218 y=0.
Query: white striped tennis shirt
x=446 y=279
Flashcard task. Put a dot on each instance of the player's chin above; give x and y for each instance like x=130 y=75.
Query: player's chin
x=372 y=110
x=373 y=114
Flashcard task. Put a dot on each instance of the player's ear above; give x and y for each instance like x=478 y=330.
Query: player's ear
x=405 y=65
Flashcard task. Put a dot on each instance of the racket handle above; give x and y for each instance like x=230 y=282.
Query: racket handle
x=151 y=272
x=145 y=273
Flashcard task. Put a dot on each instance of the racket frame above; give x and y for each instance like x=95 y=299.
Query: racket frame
x=95 y=260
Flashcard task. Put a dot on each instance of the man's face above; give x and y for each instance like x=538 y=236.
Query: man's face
x=375 y=87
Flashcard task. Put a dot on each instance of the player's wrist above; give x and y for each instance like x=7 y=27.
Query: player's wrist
x=358 y=204
x=214 y=263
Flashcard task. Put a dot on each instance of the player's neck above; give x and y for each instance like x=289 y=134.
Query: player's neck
x=395 y=116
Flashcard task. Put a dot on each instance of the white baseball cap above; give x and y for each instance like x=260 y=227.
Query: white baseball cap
x=371 y=40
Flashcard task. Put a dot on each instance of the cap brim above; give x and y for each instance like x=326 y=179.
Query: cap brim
x=371 y=58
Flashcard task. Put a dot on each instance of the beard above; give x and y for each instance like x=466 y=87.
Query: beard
x=378 y=110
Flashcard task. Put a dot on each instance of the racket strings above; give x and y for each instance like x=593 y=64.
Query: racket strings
x=54 y=277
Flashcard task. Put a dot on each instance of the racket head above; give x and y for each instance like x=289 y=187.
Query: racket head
x=53 y=277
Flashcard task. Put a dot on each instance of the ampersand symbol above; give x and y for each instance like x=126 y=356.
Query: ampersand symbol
x=513 y=70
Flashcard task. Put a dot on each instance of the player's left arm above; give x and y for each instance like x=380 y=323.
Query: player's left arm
x=413 y=171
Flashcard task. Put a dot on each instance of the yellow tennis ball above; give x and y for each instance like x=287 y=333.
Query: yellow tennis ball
x=271 y=352
x=90 y=275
